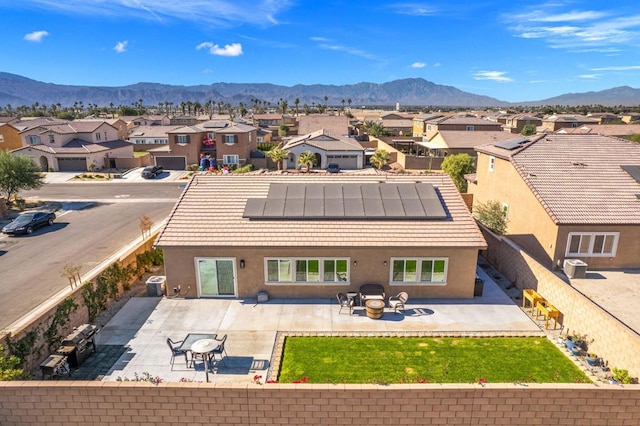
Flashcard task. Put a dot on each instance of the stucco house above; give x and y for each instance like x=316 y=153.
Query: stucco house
x=74 y=146
x=558 y=121
x=145 y=137
x=464 y=122
x=328 y=148
x=226 y=142
x=9 y=137
x=566 y=196
x=301 y=236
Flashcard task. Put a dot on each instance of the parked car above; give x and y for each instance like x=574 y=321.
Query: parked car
x=27 y=222
x=151 y=172
x=333 y=168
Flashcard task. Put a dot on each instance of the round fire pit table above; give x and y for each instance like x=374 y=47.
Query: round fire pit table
x=375 y=308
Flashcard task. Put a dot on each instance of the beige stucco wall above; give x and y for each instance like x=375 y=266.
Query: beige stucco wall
x=627 y=254
x=370 y=268
x=10 y=139
x=246 y=142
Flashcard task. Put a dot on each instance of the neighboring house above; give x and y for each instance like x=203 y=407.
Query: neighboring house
x=263 y=136
x=420 y=124
x=515 y=123
x=9 y=137
x=336 y=124
x=78 y=155
x=328 y=148
x=558 y=121
x=118 y=123
x=605 y=118
x=311 y=236
x=462 y=122
x=227 y=142
x=451 y=142
x=145 y=137
x=183 y=120
x=396 y=125
x=630 y=118
x=566 y=197
x=622 y=131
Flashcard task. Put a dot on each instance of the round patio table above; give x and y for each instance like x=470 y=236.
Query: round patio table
x=375 y=308
x=204 y=347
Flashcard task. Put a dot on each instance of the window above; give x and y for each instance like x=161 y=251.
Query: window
x=98 y=136
x=592 y=244
x=182 y=139
x=230 y=159
x=34 y=139
x=505 y=210
x=470 y=128
x=260 y=139
x=52 y=139
x=105 y=136
x=419 y=270
x=311 y=270
x=492 y=163
x=229 y=139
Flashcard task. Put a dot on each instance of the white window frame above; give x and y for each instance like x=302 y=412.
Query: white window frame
x=98 y=136
x=590 y=243
x=231 y=159
x=492 y=163
x=260 y=139
x=505 y=210
x=470 y=128
x=52 y=138
x=182 y=139
x=229 y=139
x=34 y=140
x=420 y=262
x=338 y=280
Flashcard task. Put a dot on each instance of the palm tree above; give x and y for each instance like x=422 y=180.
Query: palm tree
x=297 y=102
x=278 y=155
x=349 y=102
x=342 y=102
x=380 y=158
x=307 y=160
x=374 y=128
x=326 y=106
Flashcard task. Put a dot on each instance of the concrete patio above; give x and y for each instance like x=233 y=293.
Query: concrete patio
x=142 y=326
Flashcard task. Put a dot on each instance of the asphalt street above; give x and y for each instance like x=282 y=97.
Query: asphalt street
x=94 y=221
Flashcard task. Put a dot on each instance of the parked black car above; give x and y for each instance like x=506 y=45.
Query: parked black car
x=333 y=168
x=151 y=172
x=27 y=222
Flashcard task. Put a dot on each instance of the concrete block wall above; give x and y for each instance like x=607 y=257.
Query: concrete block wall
x=140 y=403
x=608 y=337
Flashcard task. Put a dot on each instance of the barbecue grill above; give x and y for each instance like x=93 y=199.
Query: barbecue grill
x=78 y=345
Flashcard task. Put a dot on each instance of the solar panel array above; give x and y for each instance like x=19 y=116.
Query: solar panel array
x=335 y=201
x=634 y=171
x=511 y=144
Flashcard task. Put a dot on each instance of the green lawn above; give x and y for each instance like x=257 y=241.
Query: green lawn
x=390 y=360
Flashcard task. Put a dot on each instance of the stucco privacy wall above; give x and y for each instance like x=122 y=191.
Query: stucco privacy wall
x=140 y=403
x=612 y=340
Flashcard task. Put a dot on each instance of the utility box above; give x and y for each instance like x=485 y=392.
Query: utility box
x=575 y=268
x=263 y=296
x=156 y=285
x=478 y=287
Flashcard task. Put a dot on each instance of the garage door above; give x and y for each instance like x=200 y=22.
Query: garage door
x=172 y=163
x=346 y=162
x=72 y=164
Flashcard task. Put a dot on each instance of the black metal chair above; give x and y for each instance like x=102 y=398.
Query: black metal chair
x=176 y=351
x=345 y=302
x=220 y=350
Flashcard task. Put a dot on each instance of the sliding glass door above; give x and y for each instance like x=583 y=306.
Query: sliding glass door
x=216 y=277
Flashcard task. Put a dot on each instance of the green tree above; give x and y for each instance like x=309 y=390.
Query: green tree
x=492 y=215
x=457 y=166
x=307 y=160
x=283 y=130
x=528 y=130
x=9 y=367
x=374 y=128
x=278 y=155
x=297 y=104
x=380 y=158
x=18 y=172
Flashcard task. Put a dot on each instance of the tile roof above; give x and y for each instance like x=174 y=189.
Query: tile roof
x=338 y=124
x=604 y=129
x=325 y=140
x=151 y=131
x=209 y=214
x=463 y=139
x=579 y=179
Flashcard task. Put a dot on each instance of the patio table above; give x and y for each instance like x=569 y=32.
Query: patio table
x=205 y=347
x=191 y=338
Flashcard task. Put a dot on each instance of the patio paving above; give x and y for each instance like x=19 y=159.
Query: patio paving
x=144 y=323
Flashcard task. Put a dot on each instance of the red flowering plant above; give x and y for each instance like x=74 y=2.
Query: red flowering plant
x=257 y=379
x=304 y=379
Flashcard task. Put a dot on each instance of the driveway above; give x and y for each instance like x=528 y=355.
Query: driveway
x=144 y=323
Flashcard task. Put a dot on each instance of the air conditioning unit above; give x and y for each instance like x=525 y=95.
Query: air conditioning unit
x=575 y=268
x=156 y=285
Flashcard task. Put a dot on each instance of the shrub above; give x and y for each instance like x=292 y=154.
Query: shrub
x=491 y=215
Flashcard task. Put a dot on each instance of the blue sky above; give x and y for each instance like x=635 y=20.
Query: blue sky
x=512 y=51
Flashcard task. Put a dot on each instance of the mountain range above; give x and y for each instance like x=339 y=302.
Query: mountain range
x=17 y=90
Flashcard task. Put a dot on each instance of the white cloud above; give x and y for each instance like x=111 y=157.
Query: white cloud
x=418 y=65
x=538 y=81
x=590 y=76
x=325 y=43
x=219 y=12
x=413 y=9
x=121 y=46
x=498 y=76
x=233 y=49
x=436 y=65
x=36 y=36
x=613 y=68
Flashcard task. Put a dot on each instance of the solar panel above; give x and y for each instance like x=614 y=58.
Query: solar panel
x=352 y=201
x=511 y=144
x=634 y=171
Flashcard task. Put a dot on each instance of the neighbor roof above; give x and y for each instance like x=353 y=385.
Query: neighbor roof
x=191 y=225
x=325 y=140
x=579 y=179
x=461 y=139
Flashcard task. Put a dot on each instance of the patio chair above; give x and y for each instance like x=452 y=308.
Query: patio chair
x=397 y=302
x=220 y=350
x=345 y=302
x=176 y=351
